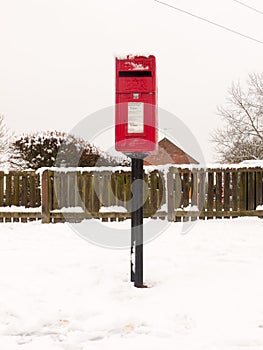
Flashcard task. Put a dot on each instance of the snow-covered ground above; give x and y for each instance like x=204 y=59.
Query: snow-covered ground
x=57 y=291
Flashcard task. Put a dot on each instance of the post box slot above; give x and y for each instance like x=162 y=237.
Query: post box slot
x=135 y=73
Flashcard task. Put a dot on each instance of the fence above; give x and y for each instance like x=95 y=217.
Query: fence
x=179 y=194
x=20 y=196
x=94 y=190
x=214 y=193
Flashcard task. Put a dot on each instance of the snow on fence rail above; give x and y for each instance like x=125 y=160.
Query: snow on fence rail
x=177 y=193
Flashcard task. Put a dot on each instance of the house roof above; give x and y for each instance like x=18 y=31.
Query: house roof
x=168 y=153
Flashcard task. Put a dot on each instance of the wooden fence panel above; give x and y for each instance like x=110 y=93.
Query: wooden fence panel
x=153 y=191
x=227 y=192
x=202 y=192
x=65 y=194
x=97 y=193
x=24 y=190
x=104 y=199
x=71 y=187
x=15 y=192
x=120 y=187
x=33 y=188
x=47 y=196
x=114 y=185
x=186 y=192
x=161 y=190
x=56 y=191
x=250 y=191
x=170 y=195
x=194 y=191
x=234 y=190
x=127 y=190
x=178 y=193
x=146 y=193
x=8 y=190
x=87 y=188
x=243 y=191
x=1 y=188
x=210 y=194
x=8 y=194
x=218 y=193
x=1 y=192
x=259 y=188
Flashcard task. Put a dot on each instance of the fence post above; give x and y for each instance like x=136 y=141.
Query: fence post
x=202 y=193
x=243 y=191
x=46 y=196
x=219 y=194
x=210 y=194
x=251 y=193
x=170 y=195
x=235 y=191
x=259 y=187
x=2 y=188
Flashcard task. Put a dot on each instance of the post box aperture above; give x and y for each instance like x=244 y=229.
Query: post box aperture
x=135 y=114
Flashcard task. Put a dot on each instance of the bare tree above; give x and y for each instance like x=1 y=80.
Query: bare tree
x=241 y=137
x=4 y=142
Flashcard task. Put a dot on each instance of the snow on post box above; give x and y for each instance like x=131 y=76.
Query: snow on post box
x=136 y=110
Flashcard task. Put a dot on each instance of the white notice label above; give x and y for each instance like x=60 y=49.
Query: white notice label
x=135 y=117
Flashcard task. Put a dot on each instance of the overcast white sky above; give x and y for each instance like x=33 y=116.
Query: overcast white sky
x=57 y=58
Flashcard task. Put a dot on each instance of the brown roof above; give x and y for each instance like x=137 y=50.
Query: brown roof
x=168 y=153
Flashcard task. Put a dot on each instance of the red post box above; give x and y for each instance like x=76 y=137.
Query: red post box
x=136 y=110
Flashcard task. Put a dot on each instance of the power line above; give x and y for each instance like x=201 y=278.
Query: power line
x=249 y=7
x=210 y=22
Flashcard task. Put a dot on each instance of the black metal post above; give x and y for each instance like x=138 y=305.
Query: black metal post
x=137 y=223
x=133 y=221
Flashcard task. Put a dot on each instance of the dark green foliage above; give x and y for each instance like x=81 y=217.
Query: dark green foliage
x=51 y=149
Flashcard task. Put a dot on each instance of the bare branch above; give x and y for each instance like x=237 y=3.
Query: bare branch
x=241 y=137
